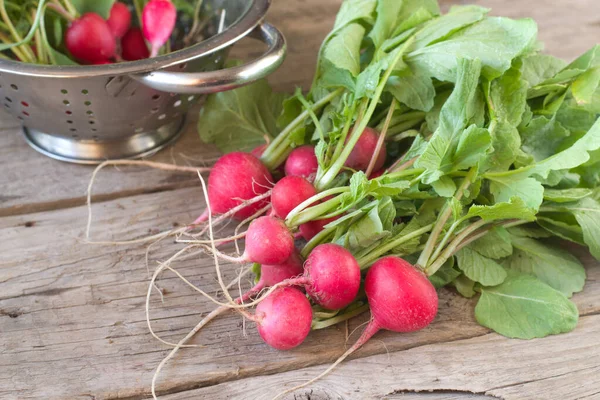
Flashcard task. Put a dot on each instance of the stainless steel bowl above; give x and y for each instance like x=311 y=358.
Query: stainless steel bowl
x=88 y=114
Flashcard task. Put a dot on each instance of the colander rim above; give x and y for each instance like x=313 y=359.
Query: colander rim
x=253 y=16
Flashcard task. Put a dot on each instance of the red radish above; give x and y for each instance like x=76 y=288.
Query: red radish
x=90 y=40
x=363 y=151
x=158 y=22
x=270 y=275
x=268 y=241
x=259 y=150
x=119 y=19
x=377 y=174
x=331 y=276
x=311 y=229
x=302 y=161
x=401 y=299
x=334 y=275
x=284 y=318
x=234 y=179
x=288 y=193
x=133 y=45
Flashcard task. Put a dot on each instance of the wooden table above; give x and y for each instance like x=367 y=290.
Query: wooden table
x=72 y=319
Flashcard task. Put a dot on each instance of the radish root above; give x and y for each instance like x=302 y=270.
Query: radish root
x=151 y=164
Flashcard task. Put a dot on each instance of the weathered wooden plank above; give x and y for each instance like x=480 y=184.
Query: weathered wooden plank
x=556 y=367
x=72 y=316
x=31 y=182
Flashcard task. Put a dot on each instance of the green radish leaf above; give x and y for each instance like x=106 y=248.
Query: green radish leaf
x=495 y=41
x=529 y=230
x=366 y=231
x=575 y=118
x=479 y=268
x=473 y=145
x=515 y=208
x=589 y=60
x=100 y=7
x=529 y=190
x=455 y=116
x=385 y=23
x=495 y=244
x=566 y=195
x=354 y=10
x=574 y=156
x=415 y=19
x=551 y=265
x=464 y=286
x=417 y=92
x=506 y=143
x=239 y=120
x=539 y=67
x=524 y=307
x=60 y=58
x=585 y=86
x=444 y=186
x=562 y=229
x=587 y=214
x=343 y=50
x=446 y=274
x=542 y=137
x=508 y=97
x=438 y=29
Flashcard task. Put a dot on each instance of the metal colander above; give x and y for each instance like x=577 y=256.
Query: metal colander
x=88 y=114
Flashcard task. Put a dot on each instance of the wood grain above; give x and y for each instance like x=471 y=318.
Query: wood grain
x=72 y=321
x=490 y=365
x=75 y=311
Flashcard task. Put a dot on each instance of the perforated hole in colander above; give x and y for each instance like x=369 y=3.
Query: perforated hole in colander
x=14 y=87
x=87 y=103
x=162 y=116
x=85 y=91
x=154 y=110
x=64 y=91
x=66 y=102
x=8 y=99
x=177 y=103
x=156 y=97
x=25 y=104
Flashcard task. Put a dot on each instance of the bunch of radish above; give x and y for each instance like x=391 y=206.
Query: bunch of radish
x=281 y=203
x=93 y=40
x=375 y=187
